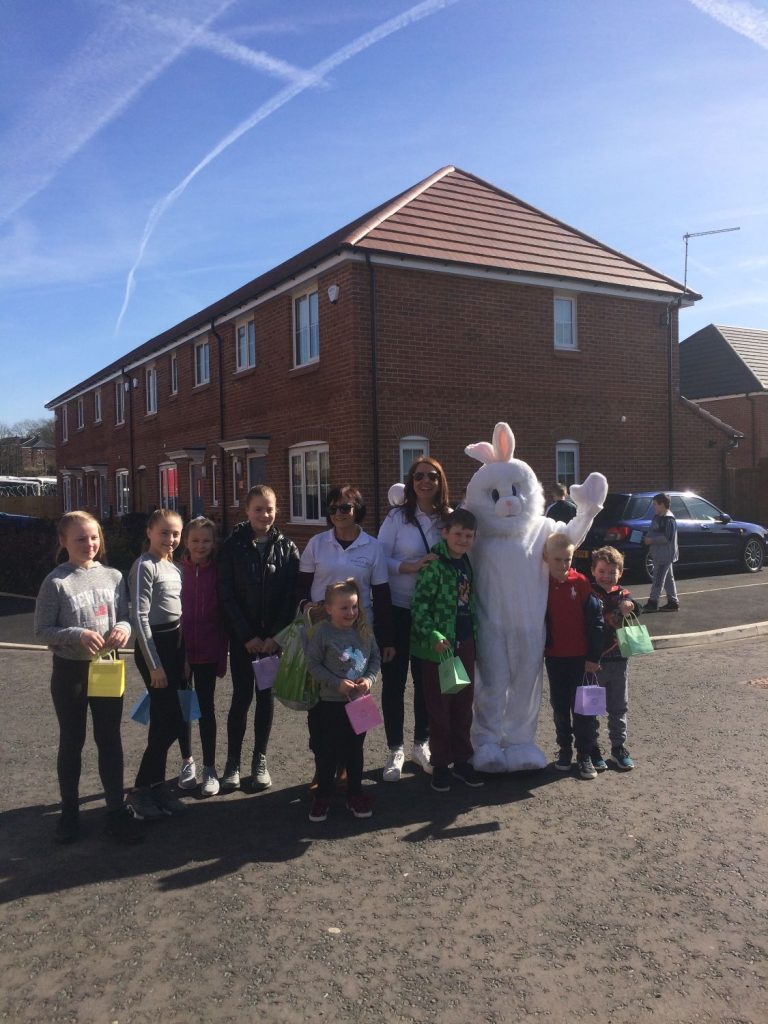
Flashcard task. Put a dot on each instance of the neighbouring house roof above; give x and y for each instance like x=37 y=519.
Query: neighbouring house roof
x=456 y=219
x=714 y=421
x=718 y=361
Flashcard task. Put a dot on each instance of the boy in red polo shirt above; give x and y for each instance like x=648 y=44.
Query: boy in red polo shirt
x=574 y=645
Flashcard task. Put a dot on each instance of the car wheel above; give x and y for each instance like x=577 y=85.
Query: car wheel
x=649 y=565
x=753 y=556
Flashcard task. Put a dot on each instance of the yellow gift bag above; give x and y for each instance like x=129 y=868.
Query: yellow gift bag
x=106 y=677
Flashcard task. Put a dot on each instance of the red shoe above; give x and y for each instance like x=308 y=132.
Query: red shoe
x=360 y=805
x=319 y=809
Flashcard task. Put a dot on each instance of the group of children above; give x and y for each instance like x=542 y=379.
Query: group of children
x=240 y=598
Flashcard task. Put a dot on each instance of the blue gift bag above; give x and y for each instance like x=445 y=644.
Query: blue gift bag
x=190 y=705
x=140 y=710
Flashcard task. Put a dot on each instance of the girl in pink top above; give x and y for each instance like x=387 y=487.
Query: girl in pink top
x=204 y=636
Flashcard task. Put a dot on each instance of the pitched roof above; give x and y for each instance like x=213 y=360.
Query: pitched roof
x=719 y=360
x=452 y=217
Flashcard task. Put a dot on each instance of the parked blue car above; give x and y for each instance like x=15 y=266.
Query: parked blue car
x=705 y=534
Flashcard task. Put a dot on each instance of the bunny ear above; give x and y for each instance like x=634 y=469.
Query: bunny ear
x=503 y=443
x=396 y=494
x=482 y=451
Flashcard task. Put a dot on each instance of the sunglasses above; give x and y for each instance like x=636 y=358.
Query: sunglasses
x=345 y=509
x=432 y=475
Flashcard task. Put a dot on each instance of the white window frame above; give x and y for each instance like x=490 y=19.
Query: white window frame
x=80 y=413
x=565 y=333
x=202 y=363
x=567 y=447
x=64 y=426
x=309 y=299
x=300 y=459
x=409 y=445
x=66 y=492
x=150 y=378
x=79 y=492
x=103 y=504
x=167 y=499
x=122 y=492
x=214 y=482
x=97 y=405
x=245 y=345
x=174 y=369
x=119 y=402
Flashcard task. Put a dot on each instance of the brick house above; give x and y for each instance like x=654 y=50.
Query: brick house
x=413 y=329
x=27 y=456
x=724 y=370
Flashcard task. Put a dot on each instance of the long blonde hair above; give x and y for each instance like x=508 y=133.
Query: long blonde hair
x=349 y=586
x=71 y=519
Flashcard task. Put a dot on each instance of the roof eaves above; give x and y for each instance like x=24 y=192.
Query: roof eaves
x=713 y=420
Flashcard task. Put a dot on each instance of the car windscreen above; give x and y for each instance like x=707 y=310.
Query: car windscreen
x=612 y=510
x=638 y=507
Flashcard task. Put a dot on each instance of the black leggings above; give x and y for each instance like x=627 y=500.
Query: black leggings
x=394 y=675
x=166 y=721
x=243 y=689
x=69 y=690
x=204 y=677
x=337 y=745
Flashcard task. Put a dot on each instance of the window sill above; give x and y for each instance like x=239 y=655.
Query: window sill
x=201 y=387
x=245 y=371
x=150 y=415
x=567 y=352
x=298 y=371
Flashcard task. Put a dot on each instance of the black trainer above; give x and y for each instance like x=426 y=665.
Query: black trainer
x=67 y=828
x=670 y=606
x=123 y=827
x=564 y=759
x=463 y=770
x=650 y=606
x=441 y=778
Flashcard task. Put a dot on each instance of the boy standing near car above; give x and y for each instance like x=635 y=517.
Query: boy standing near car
x=662 y=538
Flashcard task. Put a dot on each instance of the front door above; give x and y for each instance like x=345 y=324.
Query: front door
x=196 y=488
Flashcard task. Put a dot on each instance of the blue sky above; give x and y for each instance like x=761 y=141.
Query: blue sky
x=157 y=154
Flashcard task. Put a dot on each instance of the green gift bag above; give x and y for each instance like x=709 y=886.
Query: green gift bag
x=633 y=638
x=453 y=675
x=293 y=685
x=106 y=677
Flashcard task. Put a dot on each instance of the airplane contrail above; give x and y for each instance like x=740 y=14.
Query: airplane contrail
x=742 y=17
x=285 y=95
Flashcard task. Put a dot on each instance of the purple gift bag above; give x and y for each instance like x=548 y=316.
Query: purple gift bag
x=265 y=670
x=363 y=714
x=590 y=698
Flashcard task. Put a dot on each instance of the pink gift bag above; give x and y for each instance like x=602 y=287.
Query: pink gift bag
x=265 y=670
x=363 y=714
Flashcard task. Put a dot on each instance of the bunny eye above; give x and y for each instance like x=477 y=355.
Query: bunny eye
x=495 y=495
x=513 y=489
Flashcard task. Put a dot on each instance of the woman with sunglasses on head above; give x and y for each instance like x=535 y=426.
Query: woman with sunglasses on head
x=407 y=536
x=345 y=551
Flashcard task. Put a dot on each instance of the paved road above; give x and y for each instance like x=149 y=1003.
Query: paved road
x=539 y=898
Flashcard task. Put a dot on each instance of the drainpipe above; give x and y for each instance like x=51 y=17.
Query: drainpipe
x=223 y=459
x=670 y=400
x=727 y=496
x=374 y=394
x=132 y=459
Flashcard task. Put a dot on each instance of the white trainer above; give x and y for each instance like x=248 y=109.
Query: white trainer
x=188 y=775
x=210 y=785
x=420 y=756
x=393 y=766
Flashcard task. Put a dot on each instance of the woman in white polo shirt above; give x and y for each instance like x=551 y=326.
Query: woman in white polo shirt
x=347 y=550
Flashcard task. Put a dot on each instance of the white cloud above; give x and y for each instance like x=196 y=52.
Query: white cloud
x=316 y=74
x=742 y=17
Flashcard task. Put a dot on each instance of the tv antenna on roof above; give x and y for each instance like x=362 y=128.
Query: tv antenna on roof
x=698 y=234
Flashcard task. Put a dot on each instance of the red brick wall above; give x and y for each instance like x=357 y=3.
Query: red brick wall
x=455 y=355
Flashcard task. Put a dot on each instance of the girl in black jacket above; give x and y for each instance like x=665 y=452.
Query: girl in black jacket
x=257 y=577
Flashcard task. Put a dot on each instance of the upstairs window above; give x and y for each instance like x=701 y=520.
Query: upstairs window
x=246 y=345
x=565 y=322
x=202 y=363
x=80 y=414
x=174 y=374
x=306 y=329
x=119 y=402
x=151 y=378
x=97 y=405
x=64 y=427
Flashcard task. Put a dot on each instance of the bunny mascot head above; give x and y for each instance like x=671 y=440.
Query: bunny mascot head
x=512 y=584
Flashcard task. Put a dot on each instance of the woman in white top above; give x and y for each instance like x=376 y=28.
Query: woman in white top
x=407 y=536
